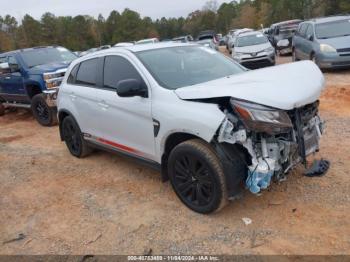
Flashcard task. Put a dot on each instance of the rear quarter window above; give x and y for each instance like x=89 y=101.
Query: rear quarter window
x=73 y=74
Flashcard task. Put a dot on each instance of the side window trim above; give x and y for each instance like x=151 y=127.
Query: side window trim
x=141 y=75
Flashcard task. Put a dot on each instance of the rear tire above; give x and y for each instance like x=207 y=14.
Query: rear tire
x=197 y=176
x=45 y=115
x=294 y=56
x=2 y=109
x=313 y=58
x=73 y=138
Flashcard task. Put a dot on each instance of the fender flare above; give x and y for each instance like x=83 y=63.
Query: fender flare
x=59 y=113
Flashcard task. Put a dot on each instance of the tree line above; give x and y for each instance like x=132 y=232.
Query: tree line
x=83 y=32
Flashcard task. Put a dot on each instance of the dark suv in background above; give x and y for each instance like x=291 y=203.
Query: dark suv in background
x=281 y=35
x=29 y=78
x=326 y=41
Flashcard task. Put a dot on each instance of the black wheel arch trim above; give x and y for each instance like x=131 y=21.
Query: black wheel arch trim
x=60 y=120
x=35 y=86
x=234 y=180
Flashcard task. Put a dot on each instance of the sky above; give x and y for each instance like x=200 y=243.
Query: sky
x=153 y=8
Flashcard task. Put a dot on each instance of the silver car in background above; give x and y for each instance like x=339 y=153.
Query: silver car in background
x=326 y=41
x=234 y=35
x=253 y=50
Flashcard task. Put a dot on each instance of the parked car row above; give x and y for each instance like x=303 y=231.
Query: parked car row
x=325 y=41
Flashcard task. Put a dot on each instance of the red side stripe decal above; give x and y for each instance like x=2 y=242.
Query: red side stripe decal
x=122 y=147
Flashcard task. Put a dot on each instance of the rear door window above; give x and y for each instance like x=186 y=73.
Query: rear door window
x=117 y=68
x=87 y=73
x=309 y=31
x=303 y=28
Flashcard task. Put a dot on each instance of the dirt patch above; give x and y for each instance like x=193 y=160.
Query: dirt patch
x=336 y=99
x=108 y=204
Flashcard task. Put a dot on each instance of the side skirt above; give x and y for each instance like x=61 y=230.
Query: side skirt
x=138 y=159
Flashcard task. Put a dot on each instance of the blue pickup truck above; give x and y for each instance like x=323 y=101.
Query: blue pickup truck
x=29 y=78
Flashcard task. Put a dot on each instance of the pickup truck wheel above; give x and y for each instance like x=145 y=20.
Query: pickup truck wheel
x=45 y=115
x=2 y=110
x=73 y=138
x=197 y=176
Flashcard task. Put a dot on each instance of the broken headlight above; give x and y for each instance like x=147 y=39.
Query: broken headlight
x=262 y=118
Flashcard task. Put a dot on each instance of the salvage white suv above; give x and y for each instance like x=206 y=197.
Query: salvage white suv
x=207 y=122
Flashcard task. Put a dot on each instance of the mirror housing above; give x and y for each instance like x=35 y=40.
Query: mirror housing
x=5 y=68
x=131 y=88
x=310 y=37
x=14 y=68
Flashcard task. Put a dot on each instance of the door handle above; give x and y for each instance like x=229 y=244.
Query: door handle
x=103 y=105
x=72 y=96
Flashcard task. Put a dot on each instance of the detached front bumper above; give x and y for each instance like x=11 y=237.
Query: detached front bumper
x=51 y=97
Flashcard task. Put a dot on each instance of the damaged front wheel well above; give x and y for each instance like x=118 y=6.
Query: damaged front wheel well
x=172 y=141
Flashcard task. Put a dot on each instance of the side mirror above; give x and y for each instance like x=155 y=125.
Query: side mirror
x=5 y=68
x=310 y=38
x=131 y=87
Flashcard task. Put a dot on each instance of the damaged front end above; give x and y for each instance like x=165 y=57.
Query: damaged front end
x=275 y=140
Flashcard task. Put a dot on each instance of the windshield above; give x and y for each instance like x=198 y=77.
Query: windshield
x=177 y=67
x=249 y=40
x=42 y=56
x=333 y=29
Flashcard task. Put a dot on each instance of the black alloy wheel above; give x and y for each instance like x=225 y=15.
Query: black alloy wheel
x=45 y=115
x=73 y=138
x=193 y=181
x=197 y=176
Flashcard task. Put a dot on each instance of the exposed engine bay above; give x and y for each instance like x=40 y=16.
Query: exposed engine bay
x=276 y=140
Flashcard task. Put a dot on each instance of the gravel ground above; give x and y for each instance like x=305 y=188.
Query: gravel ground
x=108 y=204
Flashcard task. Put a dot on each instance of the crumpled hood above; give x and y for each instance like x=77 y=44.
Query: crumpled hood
x=285 y=86
x=47 y=68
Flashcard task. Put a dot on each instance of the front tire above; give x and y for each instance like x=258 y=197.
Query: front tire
x=197 y=176
x=294 y=56
x=73 y=138
x=45 y=115
x=313 y=58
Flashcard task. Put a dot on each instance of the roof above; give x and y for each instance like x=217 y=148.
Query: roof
x=133 y=49
x=139 y=48
x=250 y=33
x=26 y=49
x=328 y=19
x=288 y=22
